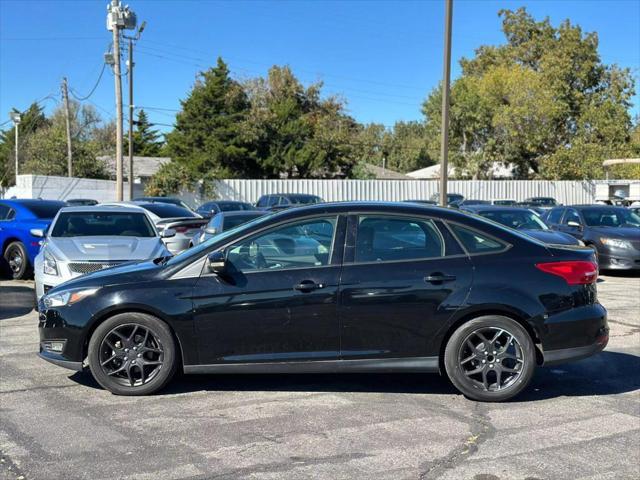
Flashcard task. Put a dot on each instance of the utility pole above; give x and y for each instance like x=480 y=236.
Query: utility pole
x=118 y=18
x=130 y=66
x=65 y=97
x=15 y=117
x=446 y=80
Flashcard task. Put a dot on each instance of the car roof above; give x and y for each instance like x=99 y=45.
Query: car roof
x=103 y=208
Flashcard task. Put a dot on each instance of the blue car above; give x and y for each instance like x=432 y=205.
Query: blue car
x=17 y=245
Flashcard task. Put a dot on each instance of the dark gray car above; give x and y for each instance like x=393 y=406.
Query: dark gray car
x=224 y=221
x=613 y=232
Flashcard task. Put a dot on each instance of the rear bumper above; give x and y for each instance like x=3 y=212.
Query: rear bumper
x=564 y=355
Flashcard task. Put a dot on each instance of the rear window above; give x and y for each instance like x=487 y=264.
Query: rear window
x=303 y=199
x=233 y=206
x=167 y=210
x=43 y=209
x=232 y=222
x=90 y=224
x=476 y=242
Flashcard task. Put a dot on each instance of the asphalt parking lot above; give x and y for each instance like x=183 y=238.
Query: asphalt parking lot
x=580 y=420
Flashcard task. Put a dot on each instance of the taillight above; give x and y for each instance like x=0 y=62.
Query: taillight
x=577 y=272
x=184 y=228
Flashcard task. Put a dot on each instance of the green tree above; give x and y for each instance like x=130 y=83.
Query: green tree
x=32 y=120
x=45 y=150
x=206 y=138
x=540 y=102
x=146 y=140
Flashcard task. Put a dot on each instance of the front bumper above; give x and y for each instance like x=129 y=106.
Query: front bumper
x=618 y=261
x=60 y=361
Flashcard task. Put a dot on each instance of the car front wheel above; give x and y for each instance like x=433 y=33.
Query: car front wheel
x=132 y=354
x=16 y=256
x=490 y=358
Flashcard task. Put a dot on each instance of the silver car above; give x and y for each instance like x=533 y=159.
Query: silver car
x=82 y=240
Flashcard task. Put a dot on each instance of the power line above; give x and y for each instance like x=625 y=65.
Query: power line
x=86 y=97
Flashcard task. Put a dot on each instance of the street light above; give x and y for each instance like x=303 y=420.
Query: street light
x=15 y=117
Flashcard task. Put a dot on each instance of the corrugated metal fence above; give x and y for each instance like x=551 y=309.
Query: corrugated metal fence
x=567 y=192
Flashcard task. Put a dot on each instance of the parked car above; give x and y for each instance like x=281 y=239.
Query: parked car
x=504 y=203
x=543 y=203
x=613 y=232
x=81 y=202
x=344 y=287
x=222 y=222
x=82 y=240
x=17 y=219
x=172 y=201
x=524 y=220
x=452 y=198
x=184 y=222
x=209 y=209
x=280 y=201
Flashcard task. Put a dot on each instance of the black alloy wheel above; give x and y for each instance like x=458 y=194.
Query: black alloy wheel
x=490 y=358
x=16 y=257
x=132 y=354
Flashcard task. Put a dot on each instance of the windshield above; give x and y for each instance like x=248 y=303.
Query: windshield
x=549 y=202
x=204 y=246
x=108 y=224
x=168 y=210
x=610 y=217
x=234 y=206
x=518 y=219
x=44 y=209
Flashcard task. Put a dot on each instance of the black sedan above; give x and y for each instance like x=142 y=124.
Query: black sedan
x=613 y=232
x=525 y=220
x=349 y=287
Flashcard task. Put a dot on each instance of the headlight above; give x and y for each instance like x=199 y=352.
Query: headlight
x=615 y=242
x=49 y=265
x=67 y=297
x=581 y=243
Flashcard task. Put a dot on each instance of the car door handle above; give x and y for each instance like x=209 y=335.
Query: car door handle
x=439 y=278
x=308 y=285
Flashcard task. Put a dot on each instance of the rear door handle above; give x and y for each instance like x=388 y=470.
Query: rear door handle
x=308 y=285
x=439 y=278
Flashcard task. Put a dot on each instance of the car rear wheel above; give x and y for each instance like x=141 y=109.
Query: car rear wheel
x=16 y=256
x=132 y=354
x=490 y=358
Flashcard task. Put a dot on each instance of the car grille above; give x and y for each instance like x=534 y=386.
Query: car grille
x=88 y=267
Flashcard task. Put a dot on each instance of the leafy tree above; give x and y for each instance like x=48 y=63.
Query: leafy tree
x=146 y=141
x=45 y=151
x=31 y=121
x=206 y=138
x=542 y=101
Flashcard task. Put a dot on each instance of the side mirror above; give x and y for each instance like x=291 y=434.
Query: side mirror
x=167 y=233
x=211 y=230
x=573 y=224
x=37 y=232
x=217 y=262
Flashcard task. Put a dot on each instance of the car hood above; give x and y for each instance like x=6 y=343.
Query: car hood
x=625 y=233
x=551 y=237
x=87 y=249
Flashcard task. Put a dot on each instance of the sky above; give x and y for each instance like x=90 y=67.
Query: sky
x=381 y=57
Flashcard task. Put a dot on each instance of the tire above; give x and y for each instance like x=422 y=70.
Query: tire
x=129 y=339
x=16 y=257
x=478 y=372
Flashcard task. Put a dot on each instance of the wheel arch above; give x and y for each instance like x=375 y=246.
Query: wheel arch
x=103 y=316
x=493 y=310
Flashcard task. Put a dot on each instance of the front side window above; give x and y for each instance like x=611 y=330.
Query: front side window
x=92 y=224
x=555 y=215
x=476 y=242
x=381 y=239
x=303 y=244
x=4 y=212
x=572 y=216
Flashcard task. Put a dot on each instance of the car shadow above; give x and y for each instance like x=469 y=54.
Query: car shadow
x=15 y=301
x=608 y=373
x=621 y=273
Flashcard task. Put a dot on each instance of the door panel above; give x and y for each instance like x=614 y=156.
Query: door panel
x=260 y=316
x=390 y=310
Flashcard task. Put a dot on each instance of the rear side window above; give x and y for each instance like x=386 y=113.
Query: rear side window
x=476 y=242
x=555 y=215
x=382 y=239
